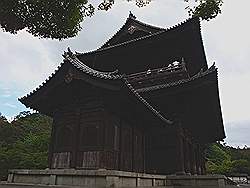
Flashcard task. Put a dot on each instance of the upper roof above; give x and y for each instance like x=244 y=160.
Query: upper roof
x=131 y=30
x=149 y=47
x=151 y=32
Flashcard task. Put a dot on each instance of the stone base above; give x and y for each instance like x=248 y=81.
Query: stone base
x=109 y=178
x=85 y=178
x=199 y=181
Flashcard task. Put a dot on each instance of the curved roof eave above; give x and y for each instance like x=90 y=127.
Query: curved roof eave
x=73 y=60
x=69 y=57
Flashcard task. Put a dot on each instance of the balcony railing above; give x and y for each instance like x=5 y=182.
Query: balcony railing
x=172 y=69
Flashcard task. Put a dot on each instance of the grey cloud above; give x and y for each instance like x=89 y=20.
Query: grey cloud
x=238 y=133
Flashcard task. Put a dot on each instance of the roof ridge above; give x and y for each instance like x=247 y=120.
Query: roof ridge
x=131 y=17
x=148 y=25
x=86 y=69
x=115 y=34
x=150 y=107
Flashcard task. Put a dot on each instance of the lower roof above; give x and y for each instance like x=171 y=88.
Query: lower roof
x=106 y=80
x=111 y=78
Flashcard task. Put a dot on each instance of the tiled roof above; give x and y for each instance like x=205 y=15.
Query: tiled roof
x=140 y=98
x=130 y=20
x=84 y=68
x=146 y=37
x=72 y=59
x=131 y=16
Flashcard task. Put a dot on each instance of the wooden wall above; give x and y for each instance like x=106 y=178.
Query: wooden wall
x=161 y=151
x=88 y=136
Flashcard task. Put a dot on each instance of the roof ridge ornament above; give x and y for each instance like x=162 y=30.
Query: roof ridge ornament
x=131 y=15
x=69 y=50
x=212 y=67
x=183 y=63
x=68 y=53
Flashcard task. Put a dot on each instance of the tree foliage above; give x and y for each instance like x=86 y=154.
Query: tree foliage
x=62 y=19
x=206 y=9
x=46 y=19
x=219 y=161
x=24 y=142
x=227 y=160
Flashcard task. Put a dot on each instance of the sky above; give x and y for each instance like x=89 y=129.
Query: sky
x=27 y=61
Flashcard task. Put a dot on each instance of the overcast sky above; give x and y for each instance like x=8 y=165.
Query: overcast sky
x=27 y=61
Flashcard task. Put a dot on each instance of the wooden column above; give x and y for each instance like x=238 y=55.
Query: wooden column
x=186 y=156
x=203 y=168
x=132 y=147
x=144 y=152
x=76 y=138
x=192 y=161
x=179 y=153
x=120 y=144
x=51 y=144
x=203 y=162
x=198 y=160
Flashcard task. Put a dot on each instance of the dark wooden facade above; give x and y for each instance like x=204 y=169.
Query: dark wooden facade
x=88 y=136
x=154 y=115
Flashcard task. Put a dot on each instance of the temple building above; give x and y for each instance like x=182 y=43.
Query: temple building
x=145 y=101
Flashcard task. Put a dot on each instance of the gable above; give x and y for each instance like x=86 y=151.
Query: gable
x=131 y=30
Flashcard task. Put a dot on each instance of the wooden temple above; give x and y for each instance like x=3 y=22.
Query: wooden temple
x=145 y=101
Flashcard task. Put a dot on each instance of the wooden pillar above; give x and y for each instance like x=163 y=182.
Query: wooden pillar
x=198 y=160
x=132 y=148
x=51 y=144
x=179 y=153
x=144 y=151
x=203 y=168
x=186 y=156
x=120 y=145
x=203 y=162
x=76 y=138
x=192 y=161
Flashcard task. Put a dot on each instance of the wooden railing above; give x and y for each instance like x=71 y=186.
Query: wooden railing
x=170 y=69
